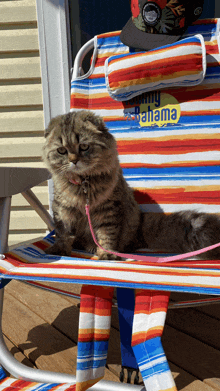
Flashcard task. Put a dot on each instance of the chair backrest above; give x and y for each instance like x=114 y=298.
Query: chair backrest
x=172 y=162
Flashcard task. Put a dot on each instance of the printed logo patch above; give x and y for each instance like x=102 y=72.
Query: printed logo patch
x=151 y=13
x=153 y=109
x=198 y=11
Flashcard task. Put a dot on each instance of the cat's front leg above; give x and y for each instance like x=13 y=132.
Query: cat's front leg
x=64 y=231
x=107 y=239
x=62 y=246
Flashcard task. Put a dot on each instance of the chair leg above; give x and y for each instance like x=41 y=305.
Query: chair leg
x=5 y=206
x=148 y=324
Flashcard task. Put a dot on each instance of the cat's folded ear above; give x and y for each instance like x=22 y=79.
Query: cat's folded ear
x=54 y=122
x=96 y=120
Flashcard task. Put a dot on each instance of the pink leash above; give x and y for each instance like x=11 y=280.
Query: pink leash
x=145 y=257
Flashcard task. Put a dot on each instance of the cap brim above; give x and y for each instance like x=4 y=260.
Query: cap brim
x=135 y=38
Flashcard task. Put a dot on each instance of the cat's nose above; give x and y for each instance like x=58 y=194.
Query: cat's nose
x=73 y=158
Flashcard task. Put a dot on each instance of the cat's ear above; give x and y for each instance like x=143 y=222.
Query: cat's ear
x=56 y=121
x=97 y=121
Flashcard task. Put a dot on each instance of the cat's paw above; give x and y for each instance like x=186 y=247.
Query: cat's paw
x=108 y=257
x=56 y=249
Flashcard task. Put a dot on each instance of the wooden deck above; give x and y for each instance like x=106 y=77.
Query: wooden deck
x=40 y=330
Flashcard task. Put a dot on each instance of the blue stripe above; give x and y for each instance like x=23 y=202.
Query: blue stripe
x=91 y=364
x=109 y=42
x=96 y=347
x=127 y=126
x=181 y=172
x=165 y=287
x=2 y=373
x=45 y=386
x=209 y=119
x=149 y=351
x=205 y=30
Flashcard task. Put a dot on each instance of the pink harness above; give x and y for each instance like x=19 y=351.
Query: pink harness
x=148 y=258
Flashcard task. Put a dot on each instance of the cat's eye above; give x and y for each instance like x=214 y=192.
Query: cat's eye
x=84 y=147
x=62 y=150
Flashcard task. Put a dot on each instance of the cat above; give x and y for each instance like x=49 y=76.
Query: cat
x=82 y=157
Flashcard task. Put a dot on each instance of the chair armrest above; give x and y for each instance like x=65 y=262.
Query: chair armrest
x=16 y=180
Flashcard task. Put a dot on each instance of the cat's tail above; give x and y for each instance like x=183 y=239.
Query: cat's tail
x=182 y=232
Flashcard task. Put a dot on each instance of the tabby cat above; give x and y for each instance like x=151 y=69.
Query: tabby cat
x=82 y=157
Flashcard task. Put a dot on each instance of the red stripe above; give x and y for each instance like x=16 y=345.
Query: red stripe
x=181 y=94
x=156 y=68
x=205 y=21
x=164 y=165
x=18 y=384
x=104 y=102
x=196 y=93
x=200 y=113
x=109 y=35
x=170 y=147
x=176 y=196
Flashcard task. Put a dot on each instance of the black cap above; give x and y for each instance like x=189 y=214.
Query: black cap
x=159 y=22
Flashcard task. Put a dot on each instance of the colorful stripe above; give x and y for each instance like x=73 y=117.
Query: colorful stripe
x=192 y=142
x=149 y=319
x=179 y=64
x=10 y=384
x=31 y=263
x=93 y=335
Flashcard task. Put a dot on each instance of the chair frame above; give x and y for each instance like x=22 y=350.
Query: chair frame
x=7 y=360
x=15 y=368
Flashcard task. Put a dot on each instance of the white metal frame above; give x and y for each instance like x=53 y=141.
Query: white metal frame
x=18 y=176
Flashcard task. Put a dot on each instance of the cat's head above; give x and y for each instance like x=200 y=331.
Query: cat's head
x=79 y=144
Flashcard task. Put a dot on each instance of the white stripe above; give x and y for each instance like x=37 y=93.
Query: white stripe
x=160 y=159
x=152 y=363
x=172 y=52
x=170 y=208
x=177 y=131
x=129 y=275
x=200 y=105
x=160 y=382
x=143 y=322
x=93 y=357
x=97 y=321
x=175 y=184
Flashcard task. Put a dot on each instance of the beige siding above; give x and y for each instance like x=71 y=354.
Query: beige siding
x=21 y=108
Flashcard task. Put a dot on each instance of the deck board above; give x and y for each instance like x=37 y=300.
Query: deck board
x=41 y=328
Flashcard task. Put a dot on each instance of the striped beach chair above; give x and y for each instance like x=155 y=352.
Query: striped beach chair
x=168 y=143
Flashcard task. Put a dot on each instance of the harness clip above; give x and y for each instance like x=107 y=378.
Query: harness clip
x=86 y=189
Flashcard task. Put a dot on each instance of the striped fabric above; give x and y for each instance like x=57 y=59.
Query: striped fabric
x=148 y=324
x=169 y=151
x=180 y=64
x=93 y=335
x=169 y=140
x=31 y=263
x=9 y=384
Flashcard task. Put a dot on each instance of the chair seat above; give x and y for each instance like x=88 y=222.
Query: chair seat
x=32 y=263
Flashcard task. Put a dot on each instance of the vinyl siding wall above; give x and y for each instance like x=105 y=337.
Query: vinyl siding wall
x=21 y=108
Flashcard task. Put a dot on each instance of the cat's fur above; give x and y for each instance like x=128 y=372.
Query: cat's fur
x=78 y=146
